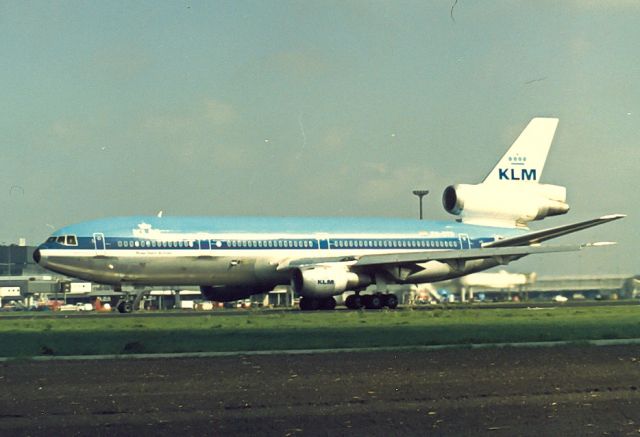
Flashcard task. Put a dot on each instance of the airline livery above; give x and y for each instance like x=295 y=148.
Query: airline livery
x=233 y=258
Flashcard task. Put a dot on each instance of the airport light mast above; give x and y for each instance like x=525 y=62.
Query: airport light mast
x=420 y=194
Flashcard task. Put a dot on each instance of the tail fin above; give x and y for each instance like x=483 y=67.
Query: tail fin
x=524 y=161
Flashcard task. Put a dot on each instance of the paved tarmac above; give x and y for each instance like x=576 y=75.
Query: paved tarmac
x=573 y=390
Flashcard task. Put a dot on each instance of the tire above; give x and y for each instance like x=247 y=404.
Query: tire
x=304 y=304
x=125 y=307
x=391 y=301
x=348 y=302
x=374 y=302
x=328 y=304
x=353 y=302
x=309 y=304
x=366 y=301
x=357 y=302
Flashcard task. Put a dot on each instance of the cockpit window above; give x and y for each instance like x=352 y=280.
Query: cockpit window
x=67 y=240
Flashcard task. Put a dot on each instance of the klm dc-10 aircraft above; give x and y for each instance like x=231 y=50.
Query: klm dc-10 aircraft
x=233 y=258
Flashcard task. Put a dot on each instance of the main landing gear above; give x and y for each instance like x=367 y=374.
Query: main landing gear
x=353 y=302
x=371 y=301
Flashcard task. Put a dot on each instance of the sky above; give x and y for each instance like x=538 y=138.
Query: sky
x=314 y=108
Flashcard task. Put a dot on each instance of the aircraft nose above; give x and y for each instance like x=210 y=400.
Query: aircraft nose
x=37 y=256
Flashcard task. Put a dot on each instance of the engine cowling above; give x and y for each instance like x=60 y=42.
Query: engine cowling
x=225 y=293
x=324 y=281
x=493 y=202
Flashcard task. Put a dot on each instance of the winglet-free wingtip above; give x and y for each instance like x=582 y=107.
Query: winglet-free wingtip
x=600 y=244
x=613 y=216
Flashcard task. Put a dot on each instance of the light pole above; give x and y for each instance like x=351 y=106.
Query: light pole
x=420 y=194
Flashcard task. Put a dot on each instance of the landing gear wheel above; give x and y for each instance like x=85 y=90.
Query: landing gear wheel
x=328 y=304
x=366 y=301
x=353 y=302
x=125 y=307
x=373 y=302
x=309 y=304
x=391 y=301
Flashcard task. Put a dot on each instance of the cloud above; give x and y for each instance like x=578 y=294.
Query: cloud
x=335 y=139
x=606 y=5
x=379 y=168
x=168 y=124
x=381 y=184
x=121 y=63
x=219 y=113
x=191 y=120
x=578 y=46
x=297 y=62
x=63 y=129
x=68 y=132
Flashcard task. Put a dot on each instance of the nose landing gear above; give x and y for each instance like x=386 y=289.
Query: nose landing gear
x=130 y=302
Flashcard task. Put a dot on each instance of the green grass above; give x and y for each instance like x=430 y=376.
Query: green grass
x=263 y=330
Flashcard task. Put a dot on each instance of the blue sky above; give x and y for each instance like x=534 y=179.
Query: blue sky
x=313 y=108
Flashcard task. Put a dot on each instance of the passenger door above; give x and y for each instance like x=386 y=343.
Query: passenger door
x=464 y=241
x=98 y=242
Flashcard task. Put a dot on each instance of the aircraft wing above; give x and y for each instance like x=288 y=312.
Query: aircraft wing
x=507 y=249
x=536 y=237
x=429 y=255
x=465 y=254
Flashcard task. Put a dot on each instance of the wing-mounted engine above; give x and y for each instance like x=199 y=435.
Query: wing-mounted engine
x=504 y=205
x=322 y=281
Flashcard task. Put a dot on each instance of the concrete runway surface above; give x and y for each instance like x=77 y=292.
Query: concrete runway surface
x=578 y=390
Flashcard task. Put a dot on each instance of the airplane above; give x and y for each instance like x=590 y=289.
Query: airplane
x=232 y=258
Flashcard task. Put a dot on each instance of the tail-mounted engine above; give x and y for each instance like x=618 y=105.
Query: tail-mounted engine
x=504 y=205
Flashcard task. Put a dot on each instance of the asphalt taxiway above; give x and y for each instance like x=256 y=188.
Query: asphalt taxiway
x=568 y=390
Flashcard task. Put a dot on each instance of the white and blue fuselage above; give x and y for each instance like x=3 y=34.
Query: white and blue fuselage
x=238 y=250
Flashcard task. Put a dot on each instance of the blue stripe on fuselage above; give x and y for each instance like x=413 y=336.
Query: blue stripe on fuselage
x=264 y=233
x=87 y=243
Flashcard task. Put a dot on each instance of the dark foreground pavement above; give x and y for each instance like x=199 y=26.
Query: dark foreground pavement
x=497 y=392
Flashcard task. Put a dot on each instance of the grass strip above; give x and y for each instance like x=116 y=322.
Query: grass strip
x=262 y=330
